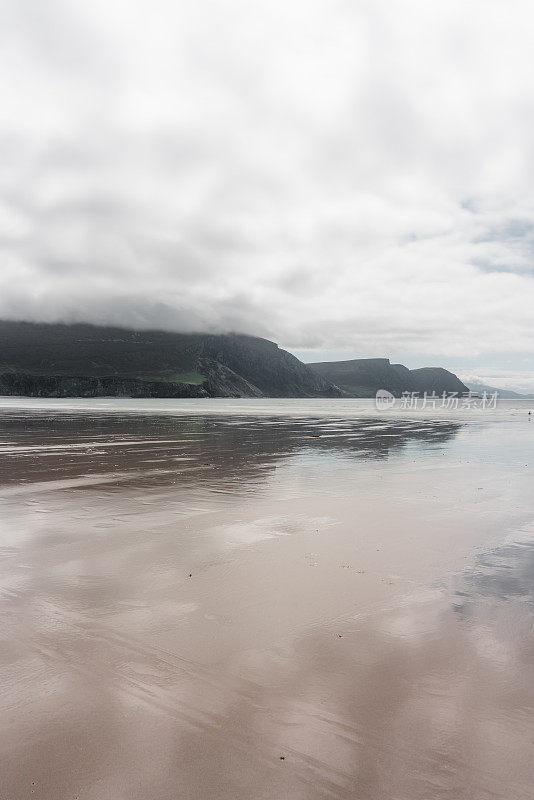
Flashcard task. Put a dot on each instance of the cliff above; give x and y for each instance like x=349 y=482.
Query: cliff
x=362 y=377
x=92 y=361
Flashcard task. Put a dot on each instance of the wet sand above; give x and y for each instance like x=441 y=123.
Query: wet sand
x=265 y=600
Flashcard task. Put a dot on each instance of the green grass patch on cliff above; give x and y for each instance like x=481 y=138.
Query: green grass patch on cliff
x=193 y=378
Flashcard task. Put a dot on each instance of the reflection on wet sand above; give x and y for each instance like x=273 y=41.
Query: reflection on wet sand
x=60 y=447
x=243 y=608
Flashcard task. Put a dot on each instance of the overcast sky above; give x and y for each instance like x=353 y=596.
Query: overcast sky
x=346 y=178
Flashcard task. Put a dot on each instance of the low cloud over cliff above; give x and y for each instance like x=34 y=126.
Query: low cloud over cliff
x=328 y=174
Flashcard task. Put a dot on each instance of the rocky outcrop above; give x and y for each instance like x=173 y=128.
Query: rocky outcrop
x=224 y=382
x=21 y=384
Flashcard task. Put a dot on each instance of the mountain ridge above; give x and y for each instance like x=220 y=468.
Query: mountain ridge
x=84 y=360
x=504 y=394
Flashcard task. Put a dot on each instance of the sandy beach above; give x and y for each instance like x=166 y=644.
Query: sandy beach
x=226 y=600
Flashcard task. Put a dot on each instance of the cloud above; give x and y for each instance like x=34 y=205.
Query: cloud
x=521 y=381
x=337 y=175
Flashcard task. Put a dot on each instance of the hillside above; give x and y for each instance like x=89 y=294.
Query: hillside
x=362 y=377
x=90 y=361
x=504 y=394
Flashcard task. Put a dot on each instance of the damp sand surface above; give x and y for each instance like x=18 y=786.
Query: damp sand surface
x=275 y=600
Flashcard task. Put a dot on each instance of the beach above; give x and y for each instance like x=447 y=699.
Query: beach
x=260 y=599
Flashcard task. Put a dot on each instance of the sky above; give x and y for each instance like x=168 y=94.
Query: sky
x=350 y=179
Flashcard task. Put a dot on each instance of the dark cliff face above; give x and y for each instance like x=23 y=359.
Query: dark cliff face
x=92 y=361
x=275 y=372
x=25 y=385
x=362 y=377
x=437 y=379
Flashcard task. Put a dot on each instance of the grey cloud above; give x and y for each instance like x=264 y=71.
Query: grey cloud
x=330 y=176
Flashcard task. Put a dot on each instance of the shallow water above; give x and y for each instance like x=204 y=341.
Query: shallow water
x=265 y=599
